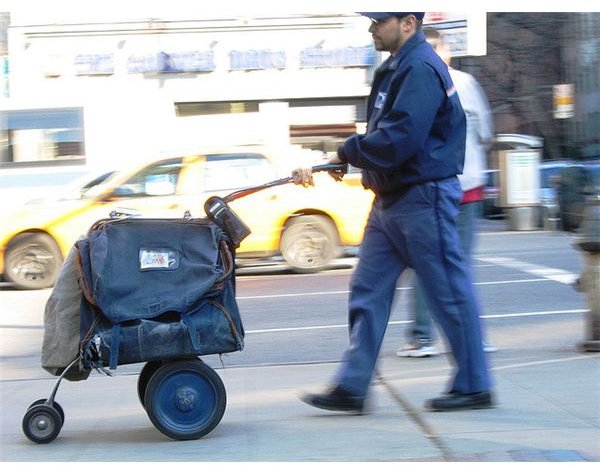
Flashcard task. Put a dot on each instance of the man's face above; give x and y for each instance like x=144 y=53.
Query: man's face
x=391 y=33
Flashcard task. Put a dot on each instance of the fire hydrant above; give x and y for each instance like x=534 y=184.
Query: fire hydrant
x=589 y=281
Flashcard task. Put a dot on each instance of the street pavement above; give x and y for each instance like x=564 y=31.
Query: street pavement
x=548 y=409
x=547 y=391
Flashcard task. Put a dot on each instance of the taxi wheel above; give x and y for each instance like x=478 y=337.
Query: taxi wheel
x=309 y=243
x=32 y=261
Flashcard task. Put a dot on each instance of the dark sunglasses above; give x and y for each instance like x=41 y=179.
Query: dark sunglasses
x=376 y=22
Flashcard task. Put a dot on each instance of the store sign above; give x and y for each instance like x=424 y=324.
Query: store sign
x=464 y=33
x=456 y=40
x=563 y=101
x=94 y=64
x=176 y=62
x=318 y=57
x=257 y=59
x=191 y=61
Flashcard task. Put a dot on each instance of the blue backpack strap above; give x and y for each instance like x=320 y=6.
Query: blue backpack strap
x=191 y=333
x=114 y=346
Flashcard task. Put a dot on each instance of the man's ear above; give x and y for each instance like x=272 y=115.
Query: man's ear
x=409 y=23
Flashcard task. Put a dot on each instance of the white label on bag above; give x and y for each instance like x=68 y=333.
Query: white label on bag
x=152 y=259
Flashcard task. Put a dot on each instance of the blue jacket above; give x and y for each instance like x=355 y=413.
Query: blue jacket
x=415 y=123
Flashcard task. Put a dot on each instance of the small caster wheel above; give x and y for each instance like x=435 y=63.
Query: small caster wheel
x=42 y=423
x=185 y=399
x=55 y=404
x=147 y=372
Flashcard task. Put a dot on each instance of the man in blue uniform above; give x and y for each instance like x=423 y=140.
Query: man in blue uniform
x=410 y=155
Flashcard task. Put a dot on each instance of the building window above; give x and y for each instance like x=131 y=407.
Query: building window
x=228 y=172
x=215 y=108
x=158 y=179
x=41 y=137
x=324 y=123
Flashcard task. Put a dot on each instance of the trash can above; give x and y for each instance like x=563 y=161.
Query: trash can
x=520 y=187
x=550 y=214
x=523 y=218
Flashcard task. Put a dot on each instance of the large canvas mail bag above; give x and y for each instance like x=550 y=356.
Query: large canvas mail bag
x=157 y=289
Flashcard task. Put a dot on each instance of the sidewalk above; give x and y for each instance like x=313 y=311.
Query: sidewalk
x=548 y=410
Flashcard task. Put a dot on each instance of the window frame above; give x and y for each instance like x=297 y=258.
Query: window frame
x=63 y=119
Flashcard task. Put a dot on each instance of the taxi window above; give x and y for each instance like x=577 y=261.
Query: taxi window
x=159 y=179
x=236 y=171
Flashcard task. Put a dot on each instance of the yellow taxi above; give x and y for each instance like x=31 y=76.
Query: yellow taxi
x=308 y=227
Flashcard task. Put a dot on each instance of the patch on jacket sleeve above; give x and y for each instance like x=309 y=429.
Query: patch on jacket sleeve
x=380 y=100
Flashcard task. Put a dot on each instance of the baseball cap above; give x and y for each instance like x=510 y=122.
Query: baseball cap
x=378 y=15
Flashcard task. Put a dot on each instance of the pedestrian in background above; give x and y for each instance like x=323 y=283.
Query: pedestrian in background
x=410 y=157
x=480 y=133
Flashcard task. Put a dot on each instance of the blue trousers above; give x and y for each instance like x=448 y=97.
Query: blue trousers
x=466 y=220
x=419 y=231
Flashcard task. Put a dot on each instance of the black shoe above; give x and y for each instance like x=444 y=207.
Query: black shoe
x=455 y=401
x=337 y=399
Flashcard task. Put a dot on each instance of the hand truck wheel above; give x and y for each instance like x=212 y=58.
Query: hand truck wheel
x=146 y=373
x=45 y=417
x=185 y=399
x=55 y=405
x=42 y=423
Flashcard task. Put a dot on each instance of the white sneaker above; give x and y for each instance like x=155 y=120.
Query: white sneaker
x=418 y=349
x=489 y=347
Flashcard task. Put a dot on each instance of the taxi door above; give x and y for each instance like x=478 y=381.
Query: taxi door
x=153 y=191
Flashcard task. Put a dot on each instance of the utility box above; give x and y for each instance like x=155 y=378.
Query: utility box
x=520 y=187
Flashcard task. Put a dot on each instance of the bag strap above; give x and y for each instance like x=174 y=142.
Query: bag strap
x=194 y=340
x=228 y=263
x=82 y=278
x=114 y=346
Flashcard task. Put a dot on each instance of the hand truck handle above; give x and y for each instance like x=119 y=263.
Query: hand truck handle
x=288 y=179
x=220 y=213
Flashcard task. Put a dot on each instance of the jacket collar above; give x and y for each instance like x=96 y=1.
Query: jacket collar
x=393 y=61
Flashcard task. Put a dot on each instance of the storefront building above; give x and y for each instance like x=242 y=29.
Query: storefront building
x=83 y=96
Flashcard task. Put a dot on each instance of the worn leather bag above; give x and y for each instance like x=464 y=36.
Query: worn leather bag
x=156 y=289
